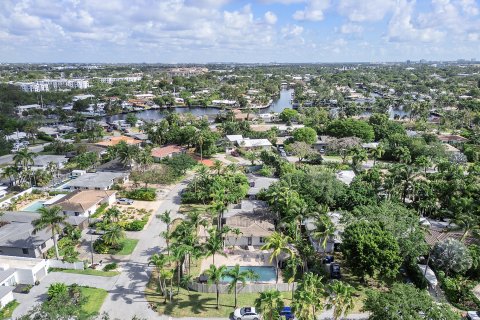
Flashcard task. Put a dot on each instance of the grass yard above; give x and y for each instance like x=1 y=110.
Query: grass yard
x=199 y=305
x=128 y=245
x=6 y=312
x=95 y=298
x=89 y=272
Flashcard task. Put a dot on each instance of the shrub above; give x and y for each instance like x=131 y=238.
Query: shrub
x=266 y=171
x=99 y=210
x=458 y=291
x=100 y=247
x=145 y=194
x=110 y=266
x=135 y=225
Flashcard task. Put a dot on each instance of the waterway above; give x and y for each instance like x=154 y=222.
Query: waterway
x=282 y=102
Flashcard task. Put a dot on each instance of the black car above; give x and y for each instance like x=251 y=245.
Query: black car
x=335 y=271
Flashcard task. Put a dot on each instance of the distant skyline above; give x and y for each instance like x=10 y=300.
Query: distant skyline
x=262 y=31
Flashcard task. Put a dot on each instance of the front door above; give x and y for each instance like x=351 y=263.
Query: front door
x=249 y=241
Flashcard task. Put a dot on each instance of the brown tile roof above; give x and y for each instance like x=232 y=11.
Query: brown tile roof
x=435 y=235
x=451 y=137
x=113 y=141
x=166 y=151
x=82 y=200
x=252 y=224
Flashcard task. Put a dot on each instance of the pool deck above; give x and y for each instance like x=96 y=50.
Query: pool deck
x=256 y=258
x=37 y=204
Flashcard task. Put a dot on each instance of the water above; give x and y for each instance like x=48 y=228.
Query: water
x=265 y=273
x=34 y=206
x=283 y=102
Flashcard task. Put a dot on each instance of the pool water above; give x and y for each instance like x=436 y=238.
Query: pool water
x=265 y=273
x=34 y=206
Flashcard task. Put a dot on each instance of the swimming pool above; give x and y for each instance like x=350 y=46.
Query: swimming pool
x=265 y=273
x=33 y=207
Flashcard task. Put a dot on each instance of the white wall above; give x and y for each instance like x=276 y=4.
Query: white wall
x=6 y=299
x=243 y=241
x=65 y=265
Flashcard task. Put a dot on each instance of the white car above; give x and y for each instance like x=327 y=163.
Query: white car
x=125 y=201
x=246 y=313
x=473 y=315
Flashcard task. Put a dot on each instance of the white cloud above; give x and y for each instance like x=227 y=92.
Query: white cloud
x=292 y=31
x=270 y=17
x=371 y=10
x=313 y=11
x=351 y=28
x=401 y=27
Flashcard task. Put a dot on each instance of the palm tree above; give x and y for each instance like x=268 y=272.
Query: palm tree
x=217 y=166
x=11 y=173
x=113 y=235
x=215 y=275
x=159 y=261
x=166 y=218
x=377 y=153
x=469 y=223
x=279 y=244
x=340 y=299
x=423 y=162
x=50 y=217
x=403 y=155
x=270 y=303
x=128 y=154
x=185 y=281
x=309 y=296
x=179 y=252
x=214 y=244
x=239 y=276
x=324 y=231
x=24 y=158
x=359 y=155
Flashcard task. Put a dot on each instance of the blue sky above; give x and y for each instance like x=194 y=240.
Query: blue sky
x=176 y=31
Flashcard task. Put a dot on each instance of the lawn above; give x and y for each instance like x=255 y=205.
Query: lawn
x=89 y=272
x=95 y=298
x=128 y=245
x=231 y=158
x=199 y=305
x=6 y=312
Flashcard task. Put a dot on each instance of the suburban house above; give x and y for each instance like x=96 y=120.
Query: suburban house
x=254 y=221
x=451 y=138
x=6 y=294
x=333 y=241
x=56 y=132
x=84 y=202
x=19 y=270
x=247 y=143
x=258 y=183
x=41 y=162
x=3 y=191
x=254 y=228
x=96 y=181
x=283 y=129
x=166 y=152
x=18 y=239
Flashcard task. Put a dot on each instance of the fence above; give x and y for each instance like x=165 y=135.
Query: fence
x=9 y=200
x=65 y=265
x=248 y=288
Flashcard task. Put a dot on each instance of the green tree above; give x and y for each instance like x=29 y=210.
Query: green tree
x=309 y=297
x=451 y=255
x=159 y=261
x=166 y=217
x=371 y=250
x=24 y=158
x=214 y=243
x=324 y=231
x=113 y=235
x=342 y=128
x=340 y=298
x=215 y=275
x=404 y=301
x=279 y=244
x=288 y=115
x=51 y=218
x=307 y=135
x=377 y=153
x=270 y=303
x=238 y=276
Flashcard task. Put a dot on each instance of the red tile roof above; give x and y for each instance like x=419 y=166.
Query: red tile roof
x=166 y=151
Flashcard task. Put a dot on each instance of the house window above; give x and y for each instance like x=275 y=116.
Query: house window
x=43 y=245
x=77 y=213
x=25 y=250
x=97 y=188
x=262 y=240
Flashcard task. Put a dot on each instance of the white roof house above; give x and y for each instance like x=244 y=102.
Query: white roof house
x=254 y=143
x=234 y=137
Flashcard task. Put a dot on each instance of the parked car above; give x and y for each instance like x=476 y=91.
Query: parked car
x=125 y=201
x=235 y=153
x=335 y=271
x=287 y=313
x=473 y=315
x=328 y=259
x=246 y=313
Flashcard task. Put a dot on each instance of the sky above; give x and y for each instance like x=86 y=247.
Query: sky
x=255 y=31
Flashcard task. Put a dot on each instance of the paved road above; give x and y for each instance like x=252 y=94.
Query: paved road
x=9 y=157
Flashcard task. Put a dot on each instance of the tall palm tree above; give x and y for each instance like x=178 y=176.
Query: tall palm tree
x=11 y=173
x=324 y=231
x=217 y=166
x=340 y=299
x=24 y=158
x=159 y=261
x=113 y=235
x=359 y=155
x=214 y=244
x=377 y=153
x=279 y=244
x=50 y=217
x=309 y=296
x=238 y=276
x=270 y=303
x=215 y=275
x=423 y=162
x=179 y=252
x=403 y=155
x=128 y=155
x=166 y=218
